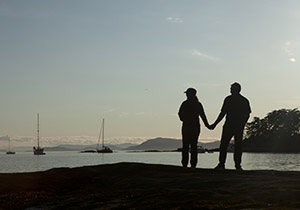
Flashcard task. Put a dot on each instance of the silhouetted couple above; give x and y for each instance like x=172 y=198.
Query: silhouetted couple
x=235 y=107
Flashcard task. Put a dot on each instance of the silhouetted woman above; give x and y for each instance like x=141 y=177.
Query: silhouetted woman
x=189 y=113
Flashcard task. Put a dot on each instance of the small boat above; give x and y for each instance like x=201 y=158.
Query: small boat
x=209 y=151
x=9 y=152
x=200 y=149
x=88 y=151
x=103 y=149
x=38 y=150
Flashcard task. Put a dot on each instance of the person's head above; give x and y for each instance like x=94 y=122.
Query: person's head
x=191 y=93
x=235 y=88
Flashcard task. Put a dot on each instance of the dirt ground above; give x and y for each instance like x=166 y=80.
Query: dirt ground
x=149 y=186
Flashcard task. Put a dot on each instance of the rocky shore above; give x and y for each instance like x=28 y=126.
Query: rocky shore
x=149 y=186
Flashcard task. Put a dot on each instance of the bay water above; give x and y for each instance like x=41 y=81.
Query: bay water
x=27 y=162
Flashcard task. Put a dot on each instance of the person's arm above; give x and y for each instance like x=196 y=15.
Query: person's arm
x=246 y=118
x=203 y=116
x=248 y=111
x=180 y=113
x=220 y=117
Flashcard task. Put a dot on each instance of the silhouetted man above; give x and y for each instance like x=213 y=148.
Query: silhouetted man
x=189 y=113
x=237 y=110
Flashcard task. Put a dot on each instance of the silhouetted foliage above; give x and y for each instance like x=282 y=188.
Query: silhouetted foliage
x=279 y=131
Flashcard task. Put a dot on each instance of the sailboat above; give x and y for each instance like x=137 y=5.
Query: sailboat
x=104 y=149
x=9 y=152
x=38 y=150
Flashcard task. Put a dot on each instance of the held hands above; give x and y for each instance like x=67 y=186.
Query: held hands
x=212 y=126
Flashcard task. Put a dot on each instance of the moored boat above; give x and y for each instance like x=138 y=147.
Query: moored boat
x=38 y=150
x=103 y=149
x=9 y=152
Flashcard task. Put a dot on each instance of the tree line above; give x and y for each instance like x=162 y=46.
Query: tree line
x=279 y=131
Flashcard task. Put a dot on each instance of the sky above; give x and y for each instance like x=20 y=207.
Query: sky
x=130 y=61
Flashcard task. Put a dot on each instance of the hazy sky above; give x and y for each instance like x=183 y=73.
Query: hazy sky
x=129 y=61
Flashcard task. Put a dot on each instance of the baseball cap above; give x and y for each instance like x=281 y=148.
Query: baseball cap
x=191 y=91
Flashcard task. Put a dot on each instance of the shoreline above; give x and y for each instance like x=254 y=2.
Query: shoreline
x=149 y=186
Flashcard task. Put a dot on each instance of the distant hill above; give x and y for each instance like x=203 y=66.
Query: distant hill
x=58 y=148
x=70 y=147
x=125 y=145
x=158 y=144
x=210 y=145
x=168 y=144
x=151 y=144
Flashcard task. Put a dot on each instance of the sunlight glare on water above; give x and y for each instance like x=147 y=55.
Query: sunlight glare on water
x=27 y=162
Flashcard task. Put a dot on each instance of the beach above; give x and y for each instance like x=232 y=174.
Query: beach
x=149 y=186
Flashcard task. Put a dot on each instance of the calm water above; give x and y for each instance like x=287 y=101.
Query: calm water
x=27 y=162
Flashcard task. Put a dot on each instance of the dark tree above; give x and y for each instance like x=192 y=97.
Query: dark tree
x=278 y=131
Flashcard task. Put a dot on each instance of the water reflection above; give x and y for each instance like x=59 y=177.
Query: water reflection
x=270 y=161
x=27 y=162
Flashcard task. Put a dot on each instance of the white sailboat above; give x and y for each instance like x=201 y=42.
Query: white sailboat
x=104 y=149
x=38 y=150
x=9 y=152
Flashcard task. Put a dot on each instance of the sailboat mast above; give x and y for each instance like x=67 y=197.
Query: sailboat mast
x=8 y=143
x=103 y=132
x=100 y=135
x=38 y=130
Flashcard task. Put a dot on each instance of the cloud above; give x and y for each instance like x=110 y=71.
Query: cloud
x=124 y=114
x=197 y=53
x=211 y=85
x=110 y=111
x=4 y=138
x=140 y=113
x=17 y=140
x=202 y=84
x=128 y=139
x=293 y=60
x=30 y=141
x=289 y=52
x=174 y=20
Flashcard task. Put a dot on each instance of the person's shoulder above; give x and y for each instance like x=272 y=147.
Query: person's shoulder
x=184 y=103
x=227 y=98
x=244 y=98
x=200 y=104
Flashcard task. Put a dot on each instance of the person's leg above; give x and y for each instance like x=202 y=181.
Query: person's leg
x=238 y=137
x=185 y=147
x=225 y=139
x=194 y=150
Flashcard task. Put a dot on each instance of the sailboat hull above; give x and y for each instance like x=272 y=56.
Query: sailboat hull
x=104 y=150
x=38 y=151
